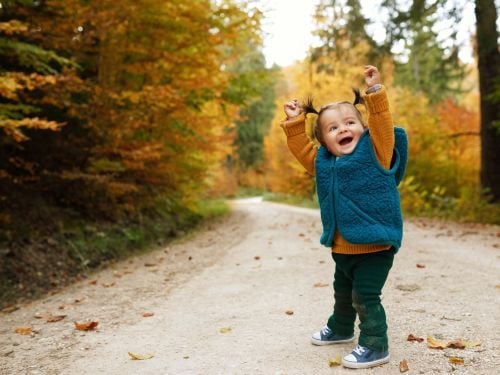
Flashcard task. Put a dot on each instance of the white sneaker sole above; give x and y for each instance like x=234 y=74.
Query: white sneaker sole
x=319 y=342
x=378 y=362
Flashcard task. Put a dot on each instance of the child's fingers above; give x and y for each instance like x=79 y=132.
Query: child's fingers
x=292 y=104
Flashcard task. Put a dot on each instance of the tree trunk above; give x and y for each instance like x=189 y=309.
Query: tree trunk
x=489 y=69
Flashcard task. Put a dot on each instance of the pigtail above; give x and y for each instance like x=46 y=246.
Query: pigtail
x=358 y=99
x=308 y=107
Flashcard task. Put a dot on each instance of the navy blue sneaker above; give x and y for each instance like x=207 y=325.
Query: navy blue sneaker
x=327 y=337
x=362 y=357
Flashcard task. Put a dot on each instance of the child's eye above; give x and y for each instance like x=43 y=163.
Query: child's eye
x=332 y=129
x=350 y=122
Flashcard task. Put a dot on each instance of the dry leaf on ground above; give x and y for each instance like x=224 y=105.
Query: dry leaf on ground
x=412 y=337
x=54 y=318
x=435 y=343
x=334 y=361
x=289 y=312
x=87 y=326
x=456 y=360
x=453 y=344
x=320 y=285
x=140 y=356
x=420 y=265
x=147 y=314
x=225 y=330
x=403 y=366
x=23 y=330
x=456 y=344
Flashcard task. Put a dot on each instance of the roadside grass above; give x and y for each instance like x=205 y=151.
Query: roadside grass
x=78 y=248
x=294 y=200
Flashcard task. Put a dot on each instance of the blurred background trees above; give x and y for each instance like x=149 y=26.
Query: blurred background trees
x=118 y=120
x=433 y=93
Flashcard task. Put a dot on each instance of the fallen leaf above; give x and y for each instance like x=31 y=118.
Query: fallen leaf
x=408 y=287
x=435 y=343
x=23 y=330
x=456 y=360
x=9 y=309
x=403 y=366
x=471 y=344
x=55 y=318
x=256 y=257
x=334 y=361
x=108 y=285
x=147 y=314
x=289 y=312
x=225 y=330
x=412 y=337
x=302 y=235
x=320 y=285
x=420 y=265
x=87 y=326
x=149 y=264
x=93 y=282
x=140 y=356
x=456 y=344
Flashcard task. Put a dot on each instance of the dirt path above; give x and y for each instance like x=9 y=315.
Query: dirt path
x=220 y=301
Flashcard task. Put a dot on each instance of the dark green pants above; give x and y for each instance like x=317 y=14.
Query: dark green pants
x=357 y=286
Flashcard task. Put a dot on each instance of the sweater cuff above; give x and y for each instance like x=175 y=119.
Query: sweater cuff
x=377 y=101
x=295 y=126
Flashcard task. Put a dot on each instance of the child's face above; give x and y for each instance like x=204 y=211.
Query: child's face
x=340 y=129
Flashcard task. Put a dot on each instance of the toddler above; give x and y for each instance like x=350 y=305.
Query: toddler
x=357 y=167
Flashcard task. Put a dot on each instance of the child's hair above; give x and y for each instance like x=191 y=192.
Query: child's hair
x=308 y=107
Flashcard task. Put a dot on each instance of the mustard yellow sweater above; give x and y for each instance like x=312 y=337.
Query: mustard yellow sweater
x=382 y=137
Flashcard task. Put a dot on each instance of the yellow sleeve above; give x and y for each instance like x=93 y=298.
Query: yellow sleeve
x=381 y=126
x=299 y=143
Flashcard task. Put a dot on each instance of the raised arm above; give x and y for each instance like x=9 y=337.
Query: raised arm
x=298 y=142
x=379 y=117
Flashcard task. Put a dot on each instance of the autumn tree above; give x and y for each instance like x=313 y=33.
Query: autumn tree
x=489 y=85
x=425 y=63
x=139 y=87
x=252 y=87
x=340 y=26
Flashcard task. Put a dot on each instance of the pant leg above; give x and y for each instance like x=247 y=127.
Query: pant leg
x=342 y=320
x=369 y=276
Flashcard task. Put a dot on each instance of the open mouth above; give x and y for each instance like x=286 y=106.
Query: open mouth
x=345 y=141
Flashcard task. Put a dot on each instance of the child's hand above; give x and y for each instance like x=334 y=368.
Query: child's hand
x=292 y=109
x=372 y=76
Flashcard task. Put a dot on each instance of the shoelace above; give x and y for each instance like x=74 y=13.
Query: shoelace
x=359 y=350
x=326 y=331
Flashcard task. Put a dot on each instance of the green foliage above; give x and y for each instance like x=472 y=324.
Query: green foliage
x=295 y=200
x=258 y=110
x=428 y=62
x=30 y=57
x=470 y=205
x=341 y=25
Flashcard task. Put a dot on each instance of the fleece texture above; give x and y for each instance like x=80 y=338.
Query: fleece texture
x=358 y=196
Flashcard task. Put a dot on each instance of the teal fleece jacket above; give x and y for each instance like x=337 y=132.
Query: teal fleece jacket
x=358 y=196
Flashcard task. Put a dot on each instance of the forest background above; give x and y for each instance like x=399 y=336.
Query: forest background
x=125 y=124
